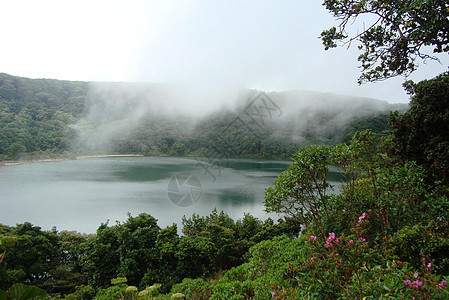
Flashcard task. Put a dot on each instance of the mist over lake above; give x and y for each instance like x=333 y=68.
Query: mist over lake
x=81 y=194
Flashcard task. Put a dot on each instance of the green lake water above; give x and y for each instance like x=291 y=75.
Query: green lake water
x=81 y=194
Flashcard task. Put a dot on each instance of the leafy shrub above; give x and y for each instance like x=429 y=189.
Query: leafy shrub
x=197 y=289
x=23 y=291
x=234 y=290
x=112 y=292
x=83 y=292
x=411 y=243
x=267 y=262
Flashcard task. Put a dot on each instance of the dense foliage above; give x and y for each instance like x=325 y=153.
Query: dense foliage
x=138 y=249
x=422 y=134
x=393 y=35
x=35 y=114
x=379 y=125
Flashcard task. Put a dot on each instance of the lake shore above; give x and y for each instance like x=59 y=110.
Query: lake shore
x=109 y=155
x=31 y=160
x=43 y=158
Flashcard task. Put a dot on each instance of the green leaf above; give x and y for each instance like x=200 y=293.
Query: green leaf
x=22 y=291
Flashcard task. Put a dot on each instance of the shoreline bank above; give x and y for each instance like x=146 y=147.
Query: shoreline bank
x=23 y=161
x=50 y=159
x=109 y=155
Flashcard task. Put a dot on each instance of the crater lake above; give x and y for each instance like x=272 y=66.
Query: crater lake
x=81 y=194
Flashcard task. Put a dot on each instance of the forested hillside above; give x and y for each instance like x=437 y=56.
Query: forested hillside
x=53 y=118
x=35 y=114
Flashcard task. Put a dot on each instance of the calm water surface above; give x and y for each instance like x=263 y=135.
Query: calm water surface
x=81 y=194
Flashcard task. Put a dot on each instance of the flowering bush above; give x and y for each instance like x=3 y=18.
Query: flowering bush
x=346 y=267
x=424 y=284
x=409 y=243
x=335 y=265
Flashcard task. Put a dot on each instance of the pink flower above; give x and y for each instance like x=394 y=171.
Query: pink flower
x=362 y=239
x=272 y=295
x=429 y=265
x=312 y=237
x=330 y=239
x=416 y=284
x=361 y=217
x=415 y=275
x=442 y=284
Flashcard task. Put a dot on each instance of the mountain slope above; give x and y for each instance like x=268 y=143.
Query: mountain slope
x=53 y=117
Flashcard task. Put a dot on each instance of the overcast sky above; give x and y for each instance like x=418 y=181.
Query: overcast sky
x=267 y=45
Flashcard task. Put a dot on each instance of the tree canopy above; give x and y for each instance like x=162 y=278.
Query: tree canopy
x=422 y=133
x=394 y=35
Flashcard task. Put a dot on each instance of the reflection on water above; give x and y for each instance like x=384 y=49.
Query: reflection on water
x=257 y=165
x=81 y=194
x=144 y=172
x=236 y=197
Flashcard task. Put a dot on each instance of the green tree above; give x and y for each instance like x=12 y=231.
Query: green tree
x=394 y=192
x=103 y=256
x=127 y=249
x=394 y=34
x=5 y=243
x=422 y=133
x=73 y=248
x=302 y=190
x=217 y=235
x=138 y=250
x=69 y=272
x=32 y=258
x=194 y=257
x=166 y=269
